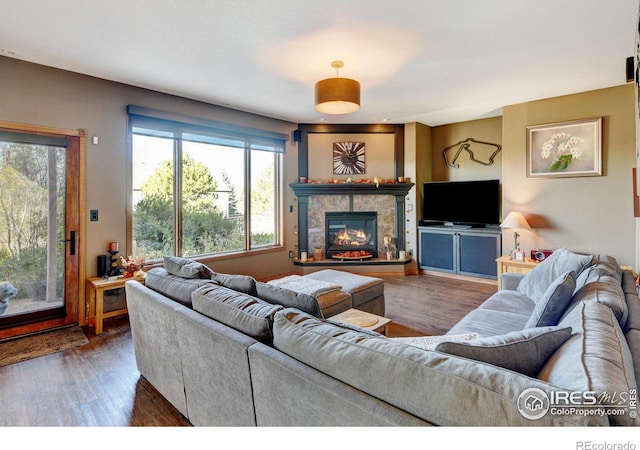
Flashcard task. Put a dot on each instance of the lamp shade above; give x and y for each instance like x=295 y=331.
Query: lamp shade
x=337 y=96
x=515 y=219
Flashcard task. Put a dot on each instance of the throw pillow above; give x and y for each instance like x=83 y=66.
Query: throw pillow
x=554 y=301
x=249 y=315
x=186 y=268
x=289 y=299
x=525 y=351
x=241 y=283
x=535 y=283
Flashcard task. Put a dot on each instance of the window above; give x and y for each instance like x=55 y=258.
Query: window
x=202 y=188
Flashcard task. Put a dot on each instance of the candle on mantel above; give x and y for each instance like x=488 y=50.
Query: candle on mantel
x=114 y=246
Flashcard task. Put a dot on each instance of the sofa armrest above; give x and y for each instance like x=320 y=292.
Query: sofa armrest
x=510 y=280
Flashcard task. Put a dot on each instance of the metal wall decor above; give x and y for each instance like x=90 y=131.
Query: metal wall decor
x=348 y=158
x=465 y=145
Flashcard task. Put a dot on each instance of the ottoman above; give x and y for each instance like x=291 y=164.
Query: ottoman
x=367 y=293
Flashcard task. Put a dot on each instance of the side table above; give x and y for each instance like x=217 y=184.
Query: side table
x=96 y=287
x=506 y=264
x=363 y=319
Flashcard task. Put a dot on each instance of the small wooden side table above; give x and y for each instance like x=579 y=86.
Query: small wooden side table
x=363 y=320
x=96 y=287
x=506 y=264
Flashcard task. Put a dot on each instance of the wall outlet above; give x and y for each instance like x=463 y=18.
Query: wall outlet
x=291 y=254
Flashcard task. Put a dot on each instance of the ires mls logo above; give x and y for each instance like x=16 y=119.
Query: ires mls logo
x=534 y=403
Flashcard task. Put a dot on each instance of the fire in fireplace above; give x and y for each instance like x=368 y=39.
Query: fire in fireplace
x=351 y=231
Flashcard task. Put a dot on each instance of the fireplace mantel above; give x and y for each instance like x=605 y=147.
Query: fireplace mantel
x=305 y=190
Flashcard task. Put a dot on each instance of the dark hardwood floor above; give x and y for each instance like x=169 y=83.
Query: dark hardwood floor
x=98 y=384
x=431 y=304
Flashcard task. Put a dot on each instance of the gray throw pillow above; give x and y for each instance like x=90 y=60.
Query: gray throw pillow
x=241 y=283
x=249 y=315
x=525 y=351
x=185 y=268
x=535 y=283
x=553 y=303
x=289 y=299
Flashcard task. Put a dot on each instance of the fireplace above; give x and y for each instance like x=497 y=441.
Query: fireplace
x=349 y=231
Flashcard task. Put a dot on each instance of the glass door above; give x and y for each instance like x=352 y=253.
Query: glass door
x=38 y=237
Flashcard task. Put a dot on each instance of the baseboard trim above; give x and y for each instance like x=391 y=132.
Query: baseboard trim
x=460 y=277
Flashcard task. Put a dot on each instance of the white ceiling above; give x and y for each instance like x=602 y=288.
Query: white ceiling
x=428 y=61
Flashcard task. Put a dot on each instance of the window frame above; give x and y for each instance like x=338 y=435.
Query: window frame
x=253 y=140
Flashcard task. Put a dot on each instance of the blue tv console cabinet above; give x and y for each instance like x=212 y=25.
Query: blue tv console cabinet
x=460 y=250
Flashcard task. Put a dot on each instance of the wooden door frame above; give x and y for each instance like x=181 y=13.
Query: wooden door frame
x=75 y=310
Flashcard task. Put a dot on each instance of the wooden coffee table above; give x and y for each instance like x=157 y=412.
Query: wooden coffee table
x=363 y=319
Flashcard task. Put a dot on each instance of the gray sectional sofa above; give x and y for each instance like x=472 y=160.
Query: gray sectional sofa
x=555 y=347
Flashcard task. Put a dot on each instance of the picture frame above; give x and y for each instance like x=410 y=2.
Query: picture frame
x=349 y=158
x=518 y=256
x=565 y=149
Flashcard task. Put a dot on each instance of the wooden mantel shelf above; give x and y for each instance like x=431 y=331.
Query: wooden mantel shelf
x=397 y=189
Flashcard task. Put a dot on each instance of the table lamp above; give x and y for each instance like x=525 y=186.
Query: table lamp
x=515 y=220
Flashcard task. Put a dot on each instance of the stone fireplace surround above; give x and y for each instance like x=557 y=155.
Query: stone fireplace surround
x=315 y=199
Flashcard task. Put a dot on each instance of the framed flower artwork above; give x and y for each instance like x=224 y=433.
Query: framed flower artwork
x=348 y=158
x=565 y=149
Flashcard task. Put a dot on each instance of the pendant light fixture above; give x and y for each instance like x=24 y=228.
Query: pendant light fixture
x=337 y=95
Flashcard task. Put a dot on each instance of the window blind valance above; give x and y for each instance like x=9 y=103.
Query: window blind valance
x=156 y=123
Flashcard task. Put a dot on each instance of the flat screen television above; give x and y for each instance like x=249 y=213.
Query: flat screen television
x=475 y=203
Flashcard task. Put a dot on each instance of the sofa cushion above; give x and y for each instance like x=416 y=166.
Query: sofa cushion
x=628 y=282
x=174 y=287
x=523 y=351
x=288 y=299
x=633 y=305
x=550 y=307
x=241 y=283
x=488 y=322
x=633 y=302
x=535 y=283
x=602 y=266
x=595 y=358
x=249 y=315
x=633 y=340
x=509 y=301
x=608 y=291
x=186 y=268
x=445 y=389
x=607 y=265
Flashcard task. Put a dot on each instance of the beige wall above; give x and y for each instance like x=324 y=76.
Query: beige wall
x=379 y=155
x=485 y=130
x=39 y=95
x=417 y=166
x=587 y=214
